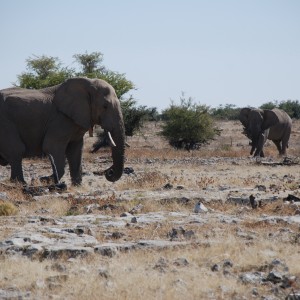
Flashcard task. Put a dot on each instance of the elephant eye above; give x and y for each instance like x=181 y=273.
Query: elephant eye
x=105 y=105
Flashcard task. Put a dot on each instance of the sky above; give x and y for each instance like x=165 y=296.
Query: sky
x=218 y=52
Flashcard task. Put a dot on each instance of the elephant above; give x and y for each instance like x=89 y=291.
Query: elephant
x=52 y=121
x=262 y=124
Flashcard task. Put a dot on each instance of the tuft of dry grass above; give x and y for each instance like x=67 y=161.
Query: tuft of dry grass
x=7 y=209
x=150 y=274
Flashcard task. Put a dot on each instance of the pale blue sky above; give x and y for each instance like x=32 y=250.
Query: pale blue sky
x=242 y=52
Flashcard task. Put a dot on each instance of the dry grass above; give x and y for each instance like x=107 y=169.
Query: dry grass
x=7 y=209
x=149 y=274
x=159 y=274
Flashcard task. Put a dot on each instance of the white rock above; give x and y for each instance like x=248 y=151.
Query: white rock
x=3 y=196
x=199 y=207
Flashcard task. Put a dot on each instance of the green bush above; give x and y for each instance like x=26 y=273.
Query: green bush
x=188 y=125
x=291 y=107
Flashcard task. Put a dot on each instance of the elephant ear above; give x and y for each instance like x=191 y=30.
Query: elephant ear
x=270 y=119
x=244 y=115
x=73 y=99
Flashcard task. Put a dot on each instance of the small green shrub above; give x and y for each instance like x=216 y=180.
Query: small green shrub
x=188 y=125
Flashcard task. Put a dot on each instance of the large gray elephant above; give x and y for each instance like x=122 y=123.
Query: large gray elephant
x=53 y=121
x=263 y=124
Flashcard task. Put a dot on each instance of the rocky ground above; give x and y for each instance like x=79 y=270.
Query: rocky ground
x=207 y=224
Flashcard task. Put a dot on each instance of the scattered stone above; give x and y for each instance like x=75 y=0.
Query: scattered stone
x=292 y=198
x=200 y=208
x=128 y=170
x=253 y=202
x=227 y=263
x=134 y=220
x=252 y=278
x=180 y=187
x=168 y=186
x=183 y=201
x=181 y=262
x=274 y=277
x=215 y=268
x=3 y=196
x=261 y=188
x=125 y=214
x=117 y=235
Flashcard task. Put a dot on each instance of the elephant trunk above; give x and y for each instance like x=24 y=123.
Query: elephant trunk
x=118 y=155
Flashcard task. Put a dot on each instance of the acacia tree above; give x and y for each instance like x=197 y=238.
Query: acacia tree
x=91 y=66
x=43 y=71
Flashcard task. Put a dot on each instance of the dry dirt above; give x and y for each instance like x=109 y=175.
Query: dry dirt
x=141 y=238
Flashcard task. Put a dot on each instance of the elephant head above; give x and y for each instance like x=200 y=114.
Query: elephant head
x=93 y=101
x=257 y=123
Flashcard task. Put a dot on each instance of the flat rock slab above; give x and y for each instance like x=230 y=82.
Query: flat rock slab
x=72 y=236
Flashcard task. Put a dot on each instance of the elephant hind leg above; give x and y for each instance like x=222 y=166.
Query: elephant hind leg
x=278 y=146
x=17 y=171
x=3 y=162
x=285 y=141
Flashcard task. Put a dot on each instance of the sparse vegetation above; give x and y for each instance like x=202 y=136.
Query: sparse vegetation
x=225 y=112
x=156 y=202
x=292 y=107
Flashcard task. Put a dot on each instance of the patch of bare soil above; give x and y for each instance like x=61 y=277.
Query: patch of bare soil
x=207 y=224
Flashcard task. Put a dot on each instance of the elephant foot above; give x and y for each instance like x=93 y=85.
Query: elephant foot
x=18 y=181
x=59 y=187
x=76 y=183
x=47 y=179
x=3 y=162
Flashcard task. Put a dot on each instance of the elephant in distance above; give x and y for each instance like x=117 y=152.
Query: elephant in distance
x=262 y=124
x=53 y=121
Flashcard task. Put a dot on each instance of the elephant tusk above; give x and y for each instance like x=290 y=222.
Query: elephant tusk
x=112 y=143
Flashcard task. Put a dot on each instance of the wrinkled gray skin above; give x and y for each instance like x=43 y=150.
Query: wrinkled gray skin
x=54 y=121
x=263 y=124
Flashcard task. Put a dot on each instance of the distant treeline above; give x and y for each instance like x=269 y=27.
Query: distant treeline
x=231 y=112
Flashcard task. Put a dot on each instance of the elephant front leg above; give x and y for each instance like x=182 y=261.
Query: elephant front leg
x=74 y=156
x=57 y=159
